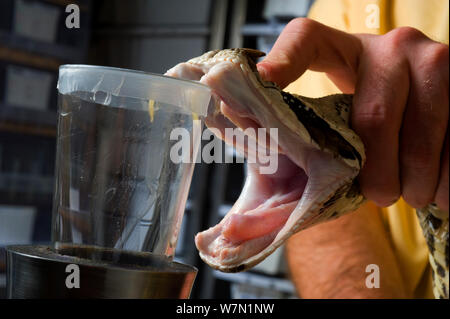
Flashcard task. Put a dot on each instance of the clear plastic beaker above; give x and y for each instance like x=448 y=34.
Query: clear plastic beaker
x=117 y=185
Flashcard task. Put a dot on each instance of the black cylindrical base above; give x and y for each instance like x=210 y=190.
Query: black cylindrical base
x=92 y=272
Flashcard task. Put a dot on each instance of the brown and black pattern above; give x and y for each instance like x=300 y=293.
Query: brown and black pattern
x=319 y=130
x=434 y=224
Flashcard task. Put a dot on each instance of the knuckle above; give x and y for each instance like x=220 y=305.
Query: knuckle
x=437 y=56
x=302 y=24
x=370 y=117
x=433 y=64
x=303 y=28
x=398 y=37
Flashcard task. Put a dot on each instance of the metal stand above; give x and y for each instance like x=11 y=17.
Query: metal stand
x=42 y=272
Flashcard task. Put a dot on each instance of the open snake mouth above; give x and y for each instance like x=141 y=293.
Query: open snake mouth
x=262 y=211
x=271 y=207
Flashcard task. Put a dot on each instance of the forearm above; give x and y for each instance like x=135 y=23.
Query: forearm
x=329 y=260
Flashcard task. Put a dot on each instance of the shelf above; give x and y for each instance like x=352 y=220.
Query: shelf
x=65 y=53
x=257 y=280
x=27 y=129
x=25 y=183
x=27 y=115
x=273 y=29
x=155 y=31
x=29 y=59
x=81 y=5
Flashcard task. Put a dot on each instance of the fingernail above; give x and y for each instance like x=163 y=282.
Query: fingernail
x=262 y=71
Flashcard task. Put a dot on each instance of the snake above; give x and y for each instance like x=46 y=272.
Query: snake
x=318 y=158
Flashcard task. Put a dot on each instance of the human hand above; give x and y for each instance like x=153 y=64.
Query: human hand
x=400 y=107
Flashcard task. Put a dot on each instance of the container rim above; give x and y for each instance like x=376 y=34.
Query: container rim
x=131 y=71
x=102 y=82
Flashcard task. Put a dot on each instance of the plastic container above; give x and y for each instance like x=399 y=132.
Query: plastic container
x=117 y=183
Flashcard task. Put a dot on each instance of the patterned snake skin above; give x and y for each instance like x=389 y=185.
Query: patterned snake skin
x=434 y=224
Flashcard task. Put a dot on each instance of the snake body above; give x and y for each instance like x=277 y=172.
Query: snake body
x=434 y=223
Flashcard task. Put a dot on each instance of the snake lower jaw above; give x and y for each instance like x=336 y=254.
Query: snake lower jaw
x=273 y=207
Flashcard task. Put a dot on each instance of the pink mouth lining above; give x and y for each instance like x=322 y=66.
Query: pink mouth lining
x=266 y=202
x=264 y=206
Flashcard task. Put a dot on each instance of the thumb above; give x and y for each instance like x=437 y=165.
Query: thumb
x=306 y=44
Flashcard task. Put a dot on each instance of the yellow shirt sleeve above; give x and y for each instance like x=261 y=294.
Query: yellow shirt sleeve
x=378 y=17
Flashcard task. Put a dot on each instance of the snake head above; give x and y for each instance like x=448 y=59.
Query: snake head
x=317 y=156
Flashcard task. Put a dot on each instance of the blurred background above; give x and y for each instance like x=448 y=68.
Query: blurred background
x=147 y=35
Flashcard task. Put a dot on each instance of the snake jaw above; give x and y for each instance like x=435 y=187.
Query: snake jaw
x=312 y=179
